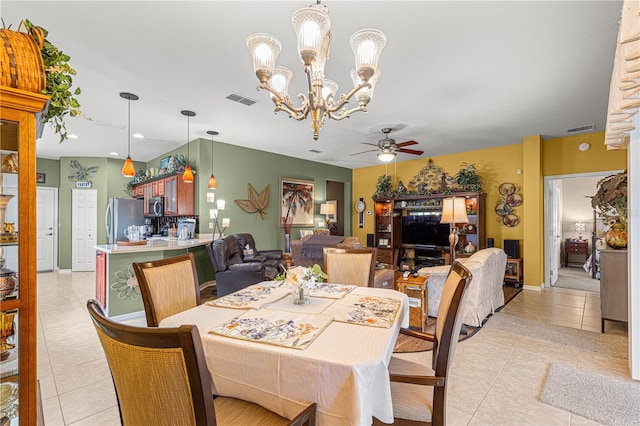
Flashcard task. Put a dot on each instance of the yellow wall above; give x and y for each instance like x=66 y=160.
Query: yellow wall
x=535 y=157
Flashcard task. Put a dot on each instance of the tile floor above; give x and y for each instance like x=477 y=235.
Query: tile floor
x=496 y=376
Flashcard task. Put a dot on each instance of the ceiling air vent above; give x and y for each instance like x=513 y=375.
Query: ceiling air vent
x=582 y=129
x=315 y=151
x=240 y=99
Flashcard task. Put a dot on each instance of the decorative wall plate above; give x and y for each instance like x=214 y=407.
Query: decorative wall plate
x=507 y=188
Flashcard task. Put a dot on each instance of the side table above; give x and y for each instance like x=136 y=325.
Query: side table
x=416 y=290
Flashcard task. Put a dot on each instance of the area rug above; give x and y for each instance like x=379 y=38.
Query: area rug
x=578 y=279
x=411 y=344
x=606 y=344
x=604 y=399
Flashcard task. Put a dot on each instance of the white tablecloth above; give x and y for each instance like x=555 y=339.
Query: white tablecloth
x=344 y=370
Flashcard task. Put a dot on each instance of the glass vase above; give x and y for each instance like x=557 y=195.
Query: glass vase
x=301 y=296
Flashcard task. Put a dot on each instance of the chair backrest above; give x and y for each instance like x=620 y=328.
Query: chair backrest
x=168 y=286
x=449 y=320
x=244 y=239
x=160 y=374
x=350 y=266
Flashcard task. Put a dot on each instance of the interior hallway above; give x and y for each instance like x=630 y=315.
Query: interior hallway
x=496 y=376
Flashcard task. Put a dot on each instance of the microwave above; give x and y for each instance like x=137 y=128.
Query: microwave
x=155 y=207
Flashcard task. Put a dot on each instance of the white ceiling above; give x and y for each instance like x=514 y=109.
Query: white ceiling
x=456 y=76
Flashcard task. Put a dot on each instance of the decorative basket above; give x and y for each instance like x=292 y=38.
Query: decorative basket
x=21 y=61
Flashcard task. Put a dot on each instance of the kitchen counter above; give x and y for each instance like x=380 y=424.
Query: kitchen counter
x=155 y=244
x=116 y=287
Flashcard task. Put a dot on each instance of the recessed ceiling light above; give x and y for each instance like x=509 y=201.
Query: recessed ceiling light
x=115 y=154
x=138 y=135
x=72 y=136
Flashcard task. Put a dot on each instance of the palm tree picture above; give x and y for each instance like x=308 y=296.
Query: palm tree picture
x=297 y=202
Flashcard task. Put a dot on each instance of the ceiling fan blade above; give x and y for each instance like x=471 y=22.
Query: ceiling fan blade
x=358 y=153
x=411 y=151
x=367 y=143
x=407 y=143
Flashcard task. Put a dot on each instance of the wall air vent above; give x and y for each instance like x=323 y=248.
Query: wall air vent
x=240 y=99
x=582 y=129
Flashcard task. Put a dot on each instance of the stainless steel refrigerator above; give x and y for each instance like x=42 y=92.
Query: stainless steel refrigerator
x=122 y=212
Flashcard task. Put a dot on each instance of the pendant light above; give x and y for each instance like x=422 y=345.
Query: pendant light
x=187 y=176
x=128 y=170
x=212 y=179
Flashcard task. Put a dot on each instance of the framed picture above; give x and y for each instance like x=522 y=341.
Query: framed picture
x=297 y=202
x=163 y=165
x=41 y=178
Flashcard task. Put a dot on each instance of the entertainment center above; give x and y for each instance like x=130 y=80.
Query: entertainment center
x=409 y=229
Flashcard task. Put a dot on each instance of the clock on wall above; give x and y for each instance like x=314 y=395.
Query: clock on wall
x=360 y=206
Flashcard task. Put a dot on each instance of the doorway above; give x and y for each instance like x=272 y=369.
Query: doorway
x=84 y=220
x=46 y=229
x=569 y=219
x=335 y=192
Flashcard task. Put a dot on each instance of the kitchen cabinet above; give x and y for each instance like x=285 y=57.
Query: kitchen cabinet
x=101 y=278
x=18 y=361
x=178 y=195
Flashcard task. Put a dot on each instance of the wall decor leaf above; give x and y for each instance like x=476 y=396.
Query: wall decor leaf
x=257 y=202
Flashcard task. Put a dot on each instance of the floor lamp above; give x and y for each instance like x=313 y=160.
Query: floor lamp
x=454 y=211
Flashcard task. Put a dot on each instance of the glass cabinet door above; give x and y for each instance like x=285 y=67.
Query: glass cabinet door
x=19 y=397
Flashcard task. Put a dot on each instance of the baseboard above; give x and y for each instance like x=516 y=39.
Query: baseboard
x=533 y=287
x=129 y=316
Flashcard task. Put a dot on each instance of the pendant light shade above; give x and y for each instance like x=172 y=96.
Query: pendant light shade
x=128 y=170
x=187 y=176
x=212 y=180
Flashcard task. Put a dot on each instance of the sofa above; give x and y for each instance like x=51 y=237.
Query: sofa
x=309 y=257
x=485 y=293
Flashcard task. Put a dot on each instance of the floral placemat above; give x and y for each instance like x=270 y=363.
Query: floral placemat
x=365 y=310
x=286 y=329
x=252 y=297
x=331 y=291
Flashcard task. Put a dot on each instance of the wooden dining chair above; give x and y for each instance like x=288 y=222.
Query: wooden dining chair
x=168 y=286
x=419 y=390
x=350 y=265
x=161 y=378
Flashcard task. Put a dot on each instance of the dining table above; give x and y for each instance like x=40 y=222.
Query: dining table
x=262 y=347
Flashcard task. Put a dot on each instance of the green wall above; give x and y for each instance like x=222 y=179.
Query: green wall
x=51 y=170
x=234 y=167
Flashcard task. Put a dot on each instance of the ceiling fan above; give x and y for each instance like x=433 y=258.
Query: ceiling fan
x=388 y=148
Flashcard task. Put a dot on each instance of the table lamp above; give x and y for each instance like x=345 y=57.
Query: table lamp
x=580 y=227
x=454 y=211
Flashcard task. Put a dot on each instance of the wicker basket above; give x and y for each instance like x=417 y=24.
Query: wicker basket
x=21 y=60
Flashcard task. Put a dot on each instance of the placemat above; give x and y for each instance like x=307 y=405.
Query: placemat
x=331 y=291
x=252 y=297
x=365 y=310
x=286 y=329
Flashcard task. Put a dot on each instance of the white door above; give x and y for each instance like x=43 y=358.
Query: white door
x=46 y=228
x=552 y=231
x=84 y=220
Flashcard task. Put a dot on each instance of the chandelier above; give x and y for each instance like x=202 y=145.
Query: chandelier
x=312 y=26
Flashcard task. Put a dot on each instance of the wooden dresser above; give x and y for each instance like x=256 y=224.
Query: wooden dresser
x=575 y=247
x=613 y=285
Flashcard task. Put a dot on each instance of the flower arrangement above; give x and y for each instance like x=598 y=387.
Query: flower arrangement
x=301 y=279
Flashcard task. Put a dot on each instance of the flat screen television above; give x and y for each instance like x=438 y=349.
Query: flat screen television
x=424 y=230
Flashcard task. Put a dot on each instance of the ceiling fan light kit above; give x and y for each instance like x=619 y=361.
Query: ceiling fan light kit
x=312 y=26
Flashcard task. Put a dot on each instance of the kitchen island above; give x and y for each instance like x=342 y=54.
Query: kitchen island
x=116 y=287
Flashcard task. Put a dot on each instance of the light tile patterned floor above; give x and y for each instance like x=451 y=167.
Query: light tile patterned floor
x=496 y=376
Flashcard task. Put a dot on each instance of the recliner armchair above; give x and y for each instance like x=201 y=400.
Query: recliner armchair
x=232 y=274
x=272 y=259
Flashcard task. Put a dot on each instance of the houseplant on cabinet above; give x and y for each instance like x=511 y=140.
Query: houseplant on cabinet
x=611 y=201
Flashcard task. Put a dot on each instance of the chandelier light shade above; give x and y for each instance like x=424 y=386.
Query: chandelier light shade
x=454 y=211
x=212 y=180
x=312 y=26
x=187 y=176
x=127 y=169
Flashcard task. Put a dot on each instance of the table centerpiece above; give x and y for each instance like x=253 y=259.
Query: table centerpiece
x=301 y=280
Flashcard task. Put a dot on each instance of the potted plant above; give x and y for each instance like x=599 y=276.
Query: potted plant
x=468 y=179
x=383 y=187
x=611 y=200
x=59 y=79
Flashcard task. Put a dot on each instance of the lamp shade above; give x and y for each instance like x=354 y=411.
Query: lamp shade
x=327 y=209
x=187 y=176
x=454 y=210
x=128 y=170
x=212 y=182
x=580 y=226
